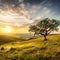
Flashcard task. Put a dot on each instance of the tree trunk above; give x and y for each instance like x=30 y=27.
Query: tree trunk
x=45 y=39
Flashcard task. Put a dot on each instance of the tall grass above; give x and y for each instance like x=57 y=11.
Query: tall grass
x=35 y=49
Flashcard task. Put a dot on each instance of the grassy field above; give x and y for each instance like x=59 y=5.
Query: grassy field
x=34 y=49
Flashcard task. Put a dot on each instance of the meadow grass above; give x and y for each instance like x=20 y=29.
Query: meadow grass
x=34 y=49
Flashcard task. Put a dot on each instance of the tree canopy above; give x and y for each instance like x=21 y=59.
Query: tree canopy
x=44 y=27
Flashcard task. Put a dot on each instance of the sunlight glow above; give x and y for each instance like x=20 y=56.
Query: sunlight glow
x=8 y=29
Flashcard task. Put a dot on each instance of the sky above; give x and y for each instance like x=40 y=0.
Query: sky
x=20 y=14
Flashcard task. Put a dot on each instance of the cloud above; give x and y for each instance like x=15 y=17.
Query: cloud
x=14 y=3
x=12 y=14
x=22 y=13
x=33 y=1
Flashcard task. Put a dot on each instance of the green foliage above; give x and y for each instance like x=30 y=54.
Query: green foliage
x=45 y=27
x=33 y=28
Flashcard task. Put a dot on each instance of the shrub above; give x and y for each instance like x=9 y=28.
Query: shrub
x=2 y=48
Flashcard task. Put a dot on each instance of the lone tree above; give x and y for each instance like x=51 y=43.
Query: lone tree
x=33 y=28
x=45 y=27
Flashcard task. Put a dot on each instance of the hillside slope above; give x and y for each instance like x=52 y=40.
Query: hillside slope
x=35 y=49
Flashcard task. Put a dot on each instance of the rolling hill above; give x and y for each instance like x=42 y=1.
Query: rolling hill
x=34 y=49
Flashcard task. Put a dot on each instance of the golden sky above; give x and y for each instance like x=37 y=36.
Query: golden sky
x=18 y=16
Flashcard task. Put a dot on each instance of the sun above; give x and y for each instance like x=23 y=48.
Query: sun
x=8 y=29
